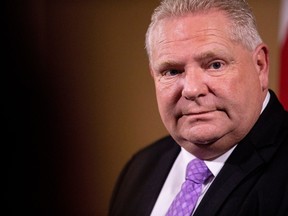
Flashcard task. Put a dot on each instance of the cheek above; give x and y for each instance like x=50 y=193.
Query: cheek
x=167 y=98
x=248 y=88
x=163 y=100
x=242 y=98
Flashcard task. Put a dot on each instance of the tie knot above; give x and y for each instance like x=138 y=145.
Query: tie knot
x=197 y=171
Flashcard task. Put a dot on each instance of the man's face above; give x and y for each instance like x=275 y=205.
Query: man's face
x=209 y=88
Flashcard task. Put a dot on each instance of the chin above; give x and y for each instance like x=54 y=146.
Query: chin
x=207 y=151
x=201 y=151
x=191 y=142
x=198 y=139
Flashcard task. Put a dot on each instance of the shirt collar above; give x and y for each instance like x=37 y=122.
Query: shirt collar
x=213 y=165
x=267 y=98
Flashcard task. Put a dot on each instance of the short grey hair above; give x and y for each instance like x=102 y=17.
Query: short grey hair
x=243 y=27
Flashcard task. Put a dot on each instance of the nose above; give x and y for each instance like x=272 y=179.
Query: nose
x=194 y=85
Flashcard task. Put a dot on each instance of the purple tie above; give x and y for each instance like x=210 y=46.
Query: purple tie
x=196 y=174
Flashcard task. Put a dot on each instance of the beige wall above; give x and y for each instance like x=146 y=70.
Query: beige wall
x=267 y=16
x=95 y=92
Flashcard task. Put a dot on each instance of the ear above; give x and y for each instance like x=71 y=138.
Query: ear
x=262 y=62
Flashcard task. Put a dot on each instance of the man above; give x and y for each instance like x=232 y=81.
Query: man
x=210 y=69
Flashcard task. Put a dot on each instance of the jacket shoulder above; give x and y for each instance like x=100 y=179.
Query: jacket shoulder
x=142 y=178
x=162 y=146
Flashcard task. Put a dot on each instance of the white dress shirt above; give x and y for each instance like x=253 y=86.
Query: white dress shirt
x=176 y=176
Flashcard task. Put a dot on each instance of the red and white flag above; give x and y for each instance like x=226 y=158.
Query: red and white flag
x=283 y=34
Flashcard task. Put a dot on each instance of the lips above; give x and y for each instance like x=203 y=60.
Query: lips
x=194 y=113
x=197 y=114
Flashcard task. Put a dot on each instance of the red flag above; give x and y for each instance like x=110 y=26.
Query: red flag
x=283 y=88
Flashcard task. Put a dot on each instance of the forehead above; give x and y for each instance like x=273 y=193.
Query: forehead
x=189 y=27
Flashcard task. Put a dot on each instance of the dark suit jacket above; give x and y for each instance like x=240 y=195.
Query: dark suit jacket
x=253 y=181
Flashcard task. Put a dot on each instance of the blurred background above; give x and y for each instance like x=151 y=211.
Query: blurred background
x=80 y=98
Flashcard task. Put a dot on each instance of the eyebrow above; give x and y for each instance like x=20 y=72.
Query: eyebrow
x=208 y=55
x=168 y=64
x=199 y=57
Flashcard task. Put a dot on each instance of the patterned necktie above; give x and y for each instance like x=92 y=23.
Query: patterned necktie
x=196 y=174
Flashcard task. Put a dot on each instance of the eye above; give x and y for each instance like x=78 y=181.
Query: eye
x=172 y=72
x=216 y=65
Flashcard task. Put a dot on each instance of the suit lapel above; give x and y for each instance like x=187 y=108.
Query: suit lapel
x=227 y=180
x=240 y=164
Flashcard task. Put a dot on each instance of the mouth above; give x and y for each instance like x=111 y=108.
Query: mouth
x=197 y=116
x=198 y=113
